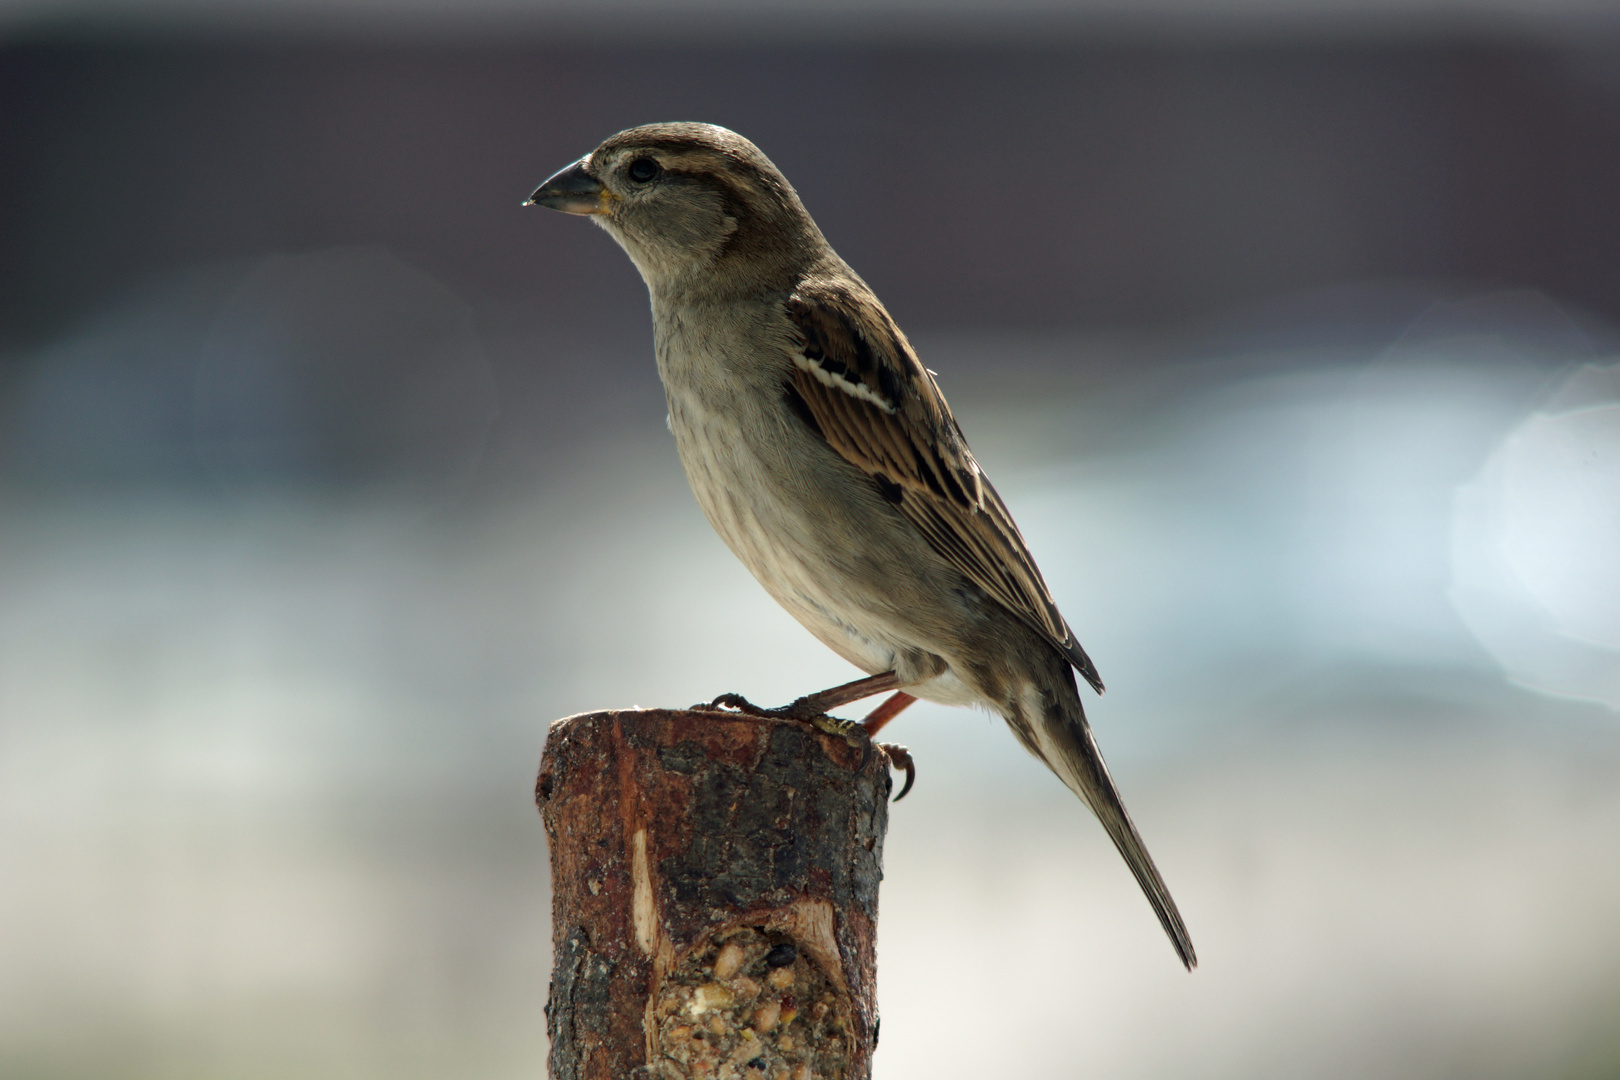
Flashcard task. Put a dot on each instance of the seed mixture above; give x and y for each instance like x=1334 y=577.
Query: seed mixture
x=750 y=1007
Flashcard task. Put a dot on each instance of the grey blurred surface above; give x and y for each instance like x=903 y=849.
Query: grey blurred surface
x=1058 y=182
x=329 y=477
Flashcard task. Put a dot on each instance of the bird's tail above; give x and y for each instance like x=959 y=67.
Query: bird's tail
x=1063 y=739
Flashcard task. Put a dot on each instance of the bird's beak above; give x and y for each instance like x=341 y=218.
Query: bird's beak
x=573 y=191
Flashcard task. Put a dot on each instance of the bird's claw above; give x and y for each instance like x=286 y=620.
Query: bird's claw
x=852 y=732
x=900 y=758
x=805 y=709
x=734 y=701
x=849 y=730
x=802 y=710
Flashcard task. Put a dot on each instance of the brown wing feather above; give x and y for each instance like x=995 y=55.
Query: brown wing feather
x=863 y=388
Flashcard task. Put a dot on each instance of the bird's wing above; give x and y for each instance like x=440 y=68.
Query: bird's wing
x=859 y=384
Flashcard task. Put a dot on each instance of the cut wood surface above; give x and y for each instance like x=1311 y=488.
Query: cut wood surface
x=714 y=897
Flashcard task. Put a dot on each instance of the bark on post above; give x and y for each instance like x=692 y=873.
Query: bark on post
x=714 y=897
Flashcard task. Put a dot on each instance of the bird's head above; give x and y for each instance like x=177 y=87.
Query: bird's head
x=696 y=207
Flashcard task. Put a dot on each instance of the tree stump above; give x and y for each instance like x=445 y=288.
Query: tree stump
x=714 y=897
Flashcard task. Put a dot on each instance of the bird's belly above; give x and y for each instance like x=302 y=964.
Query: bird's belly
x=790 y=547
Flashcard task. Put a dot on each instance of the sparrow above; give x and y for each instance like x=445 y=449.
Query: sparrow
x=825 y=456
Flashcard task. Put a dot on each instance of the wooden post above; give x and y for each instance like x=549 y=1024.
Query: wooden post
x=714 y=897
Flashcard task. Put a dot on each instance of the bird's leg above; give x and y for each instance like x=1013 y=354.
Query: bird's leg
x=818 y=704
x=899 y=756
x=892 y=707
x=811 y=707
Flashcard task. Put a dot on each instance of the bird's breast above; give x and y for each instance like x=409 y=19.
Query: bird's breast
x=747 y=471
x=737 y=480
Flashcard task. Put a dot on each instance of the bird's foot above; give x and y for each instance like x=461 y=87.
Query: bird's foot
x=900 y=758
x=803 y=710
x=735 y=701
x=811 y=706
x=849 y=730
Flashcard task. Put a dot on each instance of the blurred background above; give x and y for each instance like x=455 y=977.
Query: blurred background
x=329 y=476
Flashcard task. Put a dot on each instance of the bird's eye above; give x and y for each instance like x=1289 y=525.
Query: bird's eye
x=642 y=170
